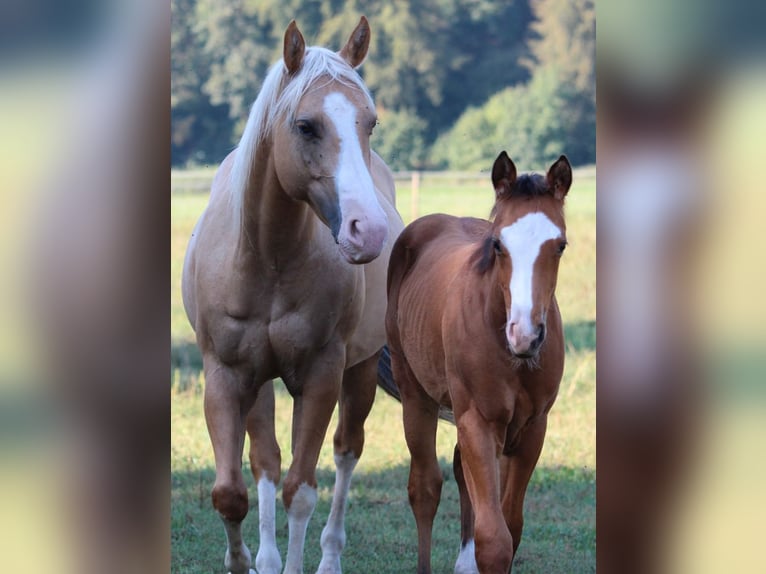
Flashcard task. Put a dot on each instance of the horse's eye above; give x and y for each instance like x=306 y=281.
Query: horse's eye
x=497 y=246
x=562 y=246
x=306 y=128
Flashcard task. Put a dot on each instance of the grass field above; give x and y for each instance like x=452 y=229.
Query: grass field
x=559 y=530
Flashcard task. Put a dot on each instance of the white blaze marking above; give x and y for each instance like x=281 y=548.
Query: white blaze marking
x=466 y=560
x=267 y=561
x=298 y=516
x=523 y=240
x=334 y=533
x=353 y=179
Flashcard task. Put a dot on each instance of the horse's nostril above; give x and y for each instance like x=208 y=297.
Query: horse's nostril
x=541 y=332
x=355 y=227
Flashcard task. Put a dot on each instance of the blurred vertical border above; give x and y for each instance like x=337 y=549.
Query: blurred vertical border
x=84 y=215
x=84 y=252
x=681 y=332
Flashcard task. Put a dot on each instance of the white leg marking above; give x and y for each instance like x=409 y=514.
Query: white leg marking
x=298 y=515
x=237 y=560
x=334 y=533
x=267 y=561
x=466 y=560
x=523 y=240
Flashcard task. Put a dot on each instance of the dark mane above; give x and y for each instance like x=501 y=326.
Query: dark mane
x=529 y=185
x=526 y=185
x=484 y=257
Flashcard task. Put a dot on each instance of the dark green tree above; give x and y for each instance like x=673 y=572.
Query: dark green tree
x=399 y=140
x=564 y=40
x=429 y=62
x=528 y=121
x=200 y=130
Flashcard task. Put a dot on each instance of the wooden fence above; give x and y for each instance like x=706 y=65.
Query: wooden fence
x=199 y=180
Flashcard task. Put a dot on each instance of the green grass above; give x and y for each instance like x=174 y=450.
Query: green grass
x=559 y=531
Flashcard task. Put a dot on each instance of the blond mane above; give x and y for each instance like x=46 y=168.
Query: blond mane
x=277 y=100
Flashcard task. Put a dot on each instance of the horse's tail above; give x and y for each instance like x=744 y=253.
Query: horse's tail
x=386 y=376
x=386 y=382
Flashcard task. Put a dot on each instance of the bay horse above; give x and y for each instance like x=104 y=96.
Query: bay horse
x=473 y=326
x=285 y=277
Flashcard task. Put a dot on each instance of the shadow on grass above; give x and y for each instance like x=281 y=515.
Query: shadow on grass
x=559 y=531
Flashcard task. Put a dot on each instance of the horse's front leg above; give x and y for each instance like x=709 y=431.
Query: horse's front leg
x=226 y=405
x=357 y=396
x=515 y=472
x=480 y=444
x=315 y=400
x=265 y=462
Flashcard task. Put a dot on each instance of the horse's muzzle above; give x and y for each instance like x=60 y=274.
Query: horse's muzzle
x=525 y=344
x=362 y=239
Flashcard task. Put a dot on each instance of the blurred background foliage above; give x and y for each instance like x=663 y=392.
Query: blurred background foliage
x=455 y=81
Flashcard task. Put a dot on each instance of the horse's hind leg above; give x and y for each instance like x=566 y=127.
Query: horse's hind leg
x=265 y=462
x=420 y=415
x=225 y=408
x=466 y=560
x=357 y=396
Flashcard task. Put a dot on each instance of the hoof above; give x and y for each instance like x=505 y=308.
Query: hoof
x=331 y=566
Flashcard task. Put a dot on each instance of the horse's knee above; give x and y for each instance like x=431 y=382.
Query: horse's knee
x=299 y=496
x=494 y=550
x=349 y=438
x=230 y=500
x=494 y=558
x=266 y=464
x=425 y=491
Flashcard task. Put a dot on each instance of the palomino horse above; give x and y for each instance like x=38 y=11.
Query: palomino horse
x=473 y=326
x=285 y=277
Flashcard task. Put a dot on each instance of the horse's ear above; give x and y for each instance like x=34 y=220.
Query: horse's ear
x=295 y=48
x=503 y=175
x=355 y=49
x=559 y=177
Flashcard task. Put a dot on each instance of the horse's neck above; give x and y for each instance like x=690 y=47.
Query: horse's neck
x=273 y=224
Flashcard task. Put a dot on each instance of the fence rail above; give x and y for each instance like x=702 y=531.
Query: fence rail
x=199 y=180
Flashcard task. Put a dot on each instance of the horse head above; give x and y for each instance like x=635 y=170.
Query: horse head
x=322 y=142
x=524 y=245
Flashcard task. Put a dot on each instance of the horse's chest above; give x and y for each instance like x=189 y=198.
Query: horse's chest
x=241 y=342
x=300 y=330
x=284 y=324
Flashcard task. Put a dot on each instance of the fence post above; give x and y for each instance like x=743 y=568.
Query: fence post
x=415 y=195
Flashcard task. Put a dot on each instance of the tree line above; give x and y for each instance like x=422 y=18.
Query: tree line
x=455 y=81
